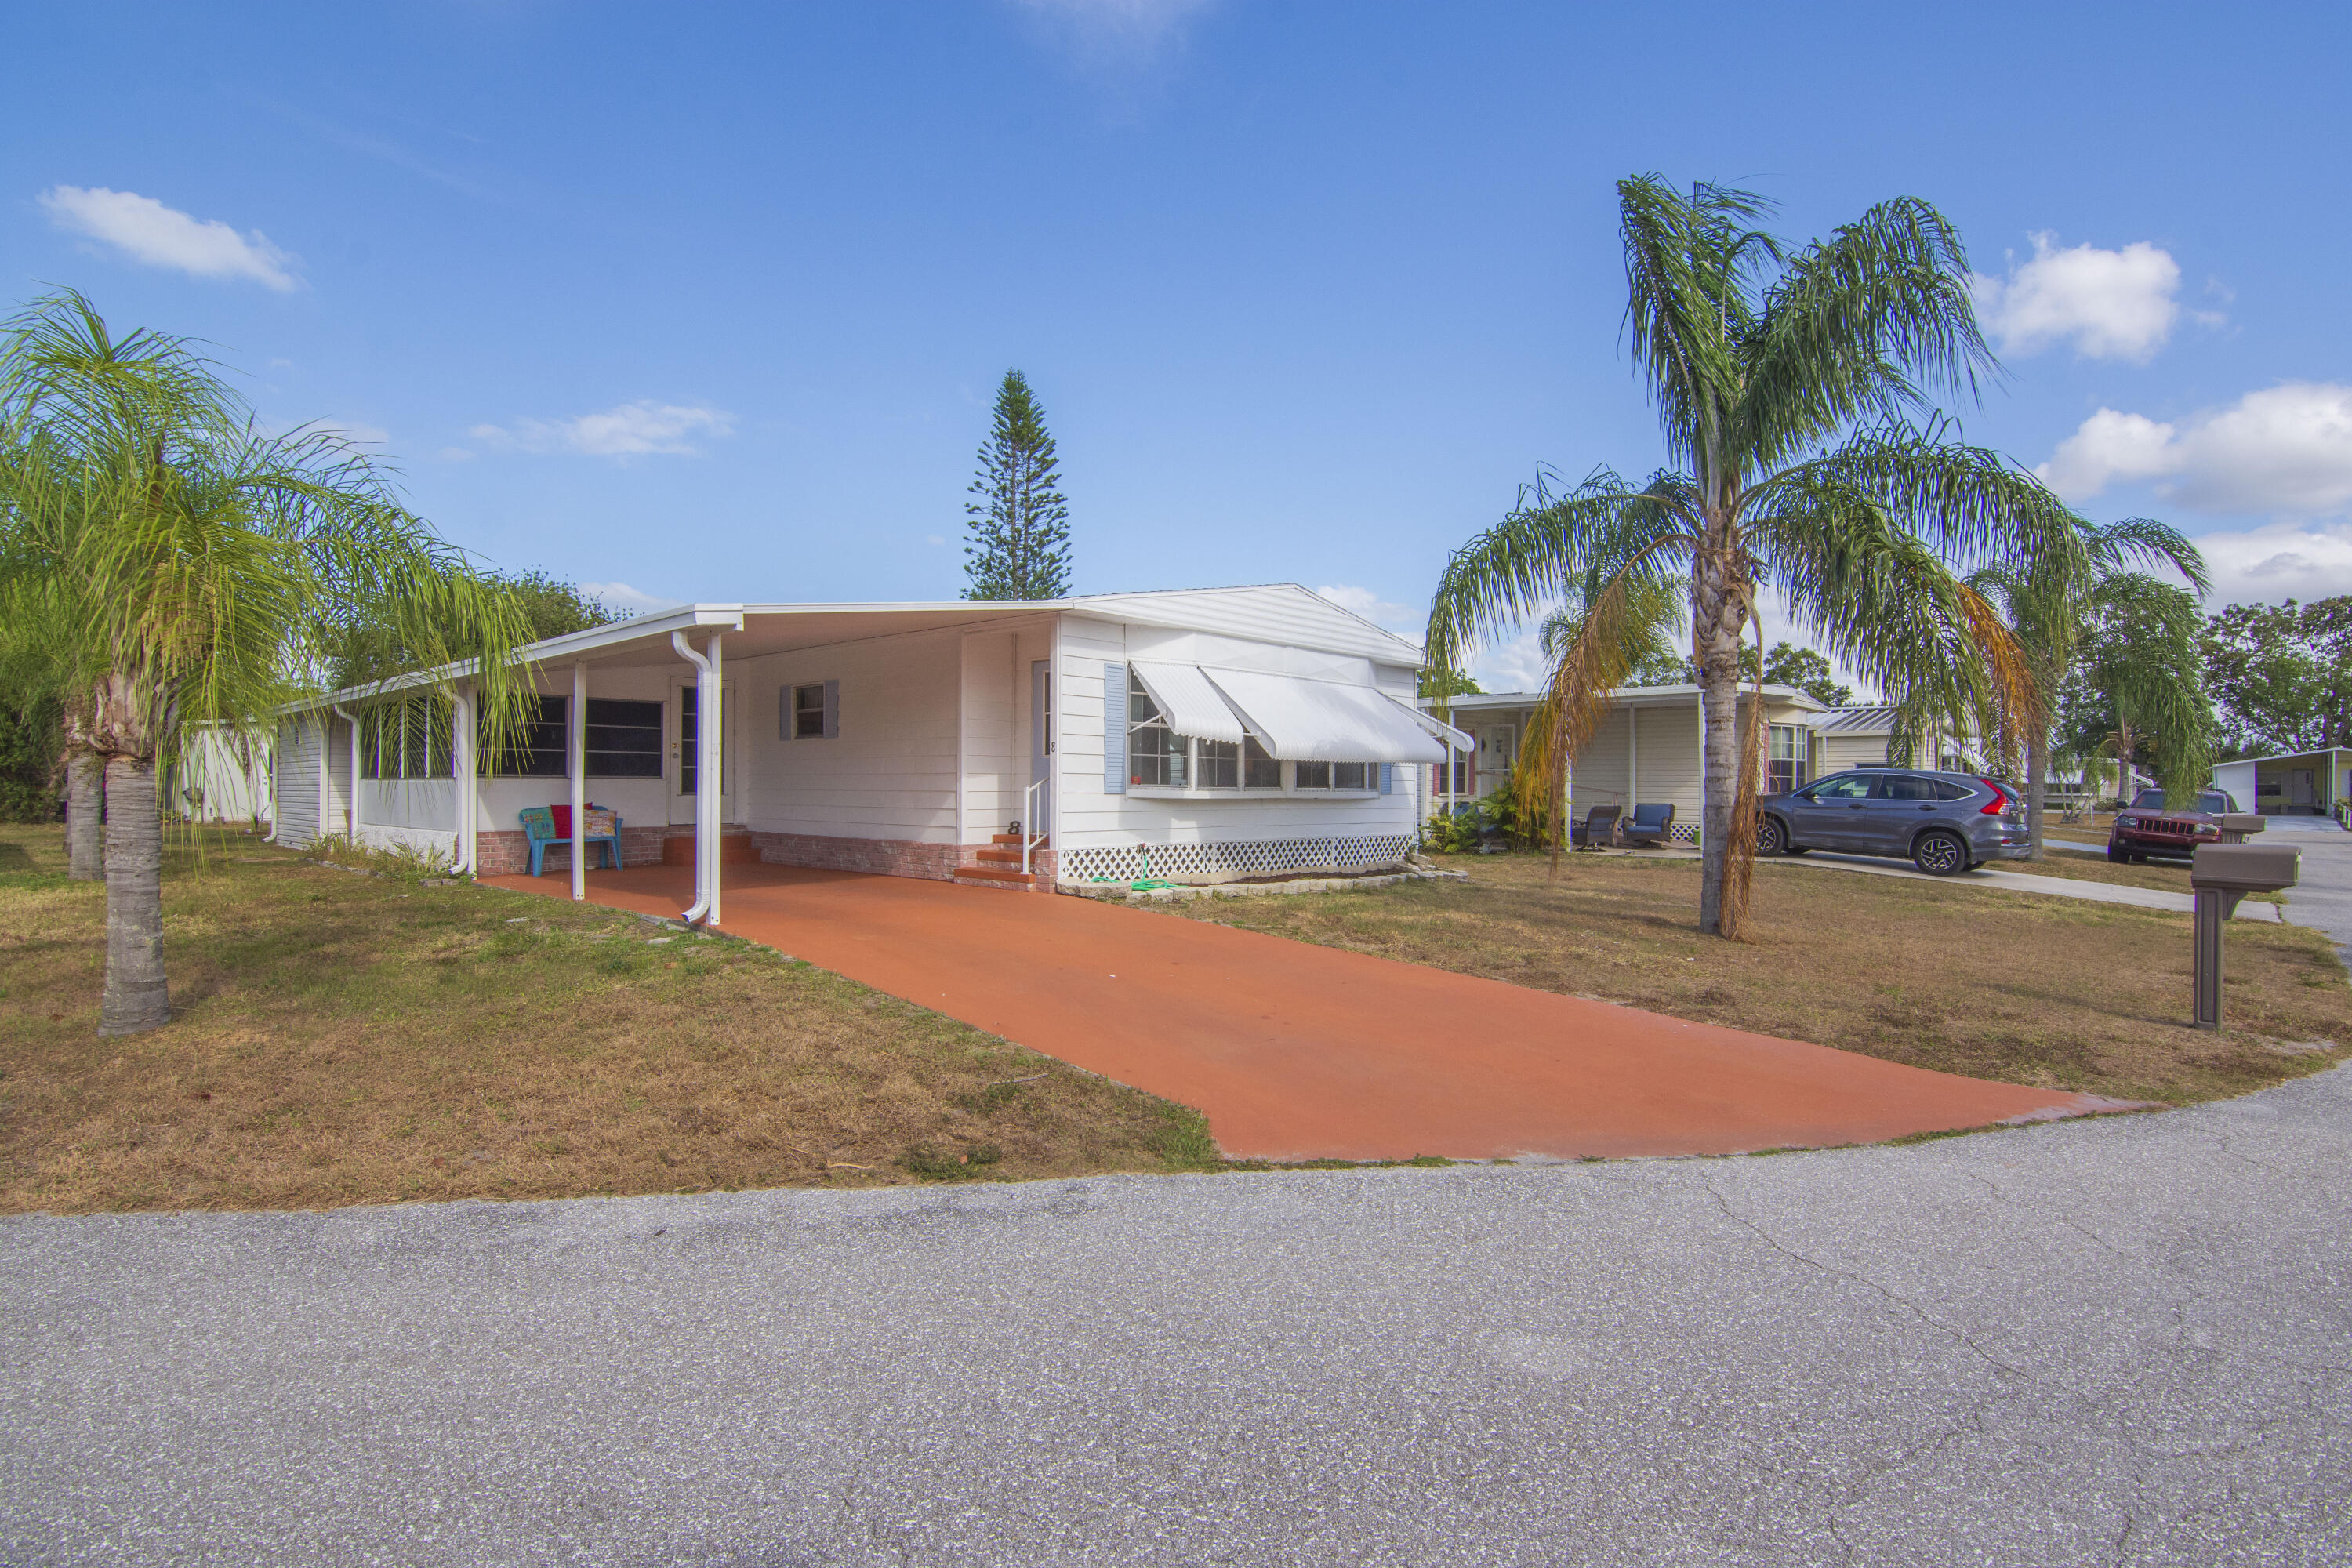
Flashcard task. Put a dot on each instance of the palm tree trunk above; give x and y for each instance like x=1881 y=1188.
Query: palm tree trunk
x=1719 y=616
x=85 y=807
x=135 y=997
x=2037 y=786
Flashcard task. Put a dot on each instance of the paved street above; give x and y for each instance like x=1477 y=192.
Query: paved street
x=2116 y=1342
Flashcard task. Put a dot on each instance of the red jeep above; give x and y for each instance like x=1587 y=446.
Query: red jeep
x=2144 y=827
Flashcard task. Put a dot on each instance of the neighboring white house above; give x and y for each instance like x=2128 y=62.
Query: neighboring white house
x=221 y=776
x=1646 y=751
x=1200 y=735
x=2292 y=783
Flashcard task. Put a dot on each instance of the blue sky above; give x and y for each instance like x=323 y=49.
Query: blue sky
x=708 y=302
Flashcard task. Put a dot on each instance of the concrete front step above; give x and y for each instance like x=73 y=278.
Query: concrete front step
x=1011 y=874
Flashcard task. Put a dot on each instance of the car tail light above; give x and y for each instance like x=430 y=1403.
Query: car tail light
x=1998 y=804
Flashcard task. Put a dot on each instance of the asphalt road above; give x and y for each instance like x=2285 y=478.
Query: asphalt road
x=2119 y=1342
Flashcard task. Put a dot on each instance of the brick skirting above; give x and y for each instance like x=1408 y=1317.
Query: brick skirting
x=884 y=857
x=508 y=854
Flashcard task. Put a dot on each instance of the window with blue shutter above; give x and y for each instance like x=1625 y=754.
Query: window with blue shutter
x=1114 y=728
x=1387 y=778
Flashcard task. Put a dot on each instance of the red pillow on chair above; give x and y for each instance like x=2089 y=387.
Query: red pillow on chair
x=562 y=815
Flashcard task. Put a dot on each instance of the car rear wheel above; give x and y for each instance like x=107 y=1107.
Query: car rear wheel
x=1771 y=838
x=1940 y=854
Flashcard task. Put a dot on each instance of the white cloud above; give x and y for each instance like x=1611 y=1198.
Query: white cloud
x=935 y=539
x=2286 y=449
x=456 y=455
x=1410 y=619
x=147 y=230
x=630 y=430
x=1114 y=33
x=2111 y=304
x=358 y=432
x=2289 y=560
x=629 y=600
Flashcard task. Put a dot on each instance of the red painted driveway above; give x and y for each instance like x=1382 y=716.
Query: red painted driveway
x=1301 y=1052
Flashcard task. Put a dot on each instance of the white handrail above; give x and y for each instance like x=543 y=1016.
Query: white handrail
x=703 y=772
x=1029 y=803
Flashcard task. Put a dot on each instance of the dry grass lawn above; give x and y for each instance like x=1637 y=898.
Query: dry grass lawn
x=341 y=1038
x=2043 y=991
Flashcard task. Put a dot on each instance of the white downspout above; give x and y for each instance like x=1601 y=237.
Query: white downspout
x=575 y=769
x=352 y=832
x=461 y=767
x=704 y=830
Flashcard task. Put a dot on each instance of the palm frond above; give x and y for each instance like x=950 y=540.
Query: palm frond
x=1548 y=549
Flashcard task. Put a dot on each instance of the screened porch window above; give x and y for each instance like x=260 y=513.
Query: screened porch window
x=537 y=751
x=625 y=739
x=408 y=739
x=1155 y=753
x=1338 y=775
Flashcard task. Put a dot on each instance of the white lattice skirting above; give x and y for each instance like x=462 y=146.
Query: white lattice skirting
x=1201 y=863
x=1683 y=833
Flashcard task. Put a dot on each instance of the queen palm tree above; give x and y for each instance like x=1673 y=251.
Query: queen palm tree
x=1793 y=392
x=168 y=564
x=2096 y=603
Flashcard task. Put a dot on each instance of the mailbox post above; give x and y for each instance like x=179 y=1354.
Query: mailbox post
x=2221 y=875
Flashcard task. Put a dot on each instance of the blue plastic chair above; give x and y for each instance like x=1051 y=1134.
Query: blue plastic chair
x=1650 y=825
x=538 y=827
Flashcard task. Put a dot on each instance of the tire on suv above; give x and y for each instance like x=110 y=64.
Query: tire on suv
x=1940 y=852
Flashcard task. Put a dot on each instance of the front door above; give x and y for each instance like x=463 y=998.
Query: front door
x=1498 y=747
x=1041 y=747
x=683 y=757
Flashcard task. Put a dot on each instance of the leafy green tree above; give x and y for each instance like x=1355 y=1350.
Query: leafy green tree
x=1792 y=388
x=2134 y=637
x=167 y=563
x=1017 y=535
x=1452 y=684
x=2137 y=692
x=31 y=741
x=367 y=650
x=2282 y=675
x=1794 y=663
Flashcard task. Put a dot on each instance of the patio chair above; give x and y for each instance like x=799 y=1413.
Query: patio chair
x=1651 y=827
x=1598 y=827
x=546 y=824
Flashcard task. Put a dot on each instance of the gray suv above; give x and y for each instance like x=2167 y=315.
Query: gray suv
x=1942 y=823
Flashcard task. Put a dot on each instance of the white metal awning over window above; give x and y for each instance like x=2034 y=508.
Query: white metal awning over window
x=1187 y=700
x=1461 y=740
x=1325 y=721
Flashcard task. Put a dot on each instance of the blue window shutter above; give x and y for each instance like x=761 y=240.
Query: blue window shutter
x=1114 y=728
x=831 y=709
x=784 y=712
x=1387 y=778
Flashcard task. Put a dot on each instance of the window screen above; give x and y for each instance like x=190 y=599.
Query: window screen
x=1354 y=775
x=1219 y=765
x=808 y=712
x=1259 y=771
x=1894 y=786
x=625 y=739
x=538 y=748
x=1314 y=776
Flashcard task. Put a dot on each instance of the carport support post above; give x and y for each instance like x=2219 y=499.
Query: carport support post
x=710 y=719
x=575 y=766
x=2214 y=908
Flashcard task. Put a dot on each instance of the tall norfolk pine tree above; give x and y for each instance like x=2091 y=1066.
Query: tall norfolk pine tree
x=1017 y=541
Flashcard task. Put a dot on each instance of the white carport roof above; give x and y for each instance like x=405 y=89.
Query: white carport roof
x=1282 y=612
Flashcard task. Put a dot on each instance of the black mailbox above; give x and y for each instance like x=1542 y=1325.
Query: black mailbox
x=2221 y=875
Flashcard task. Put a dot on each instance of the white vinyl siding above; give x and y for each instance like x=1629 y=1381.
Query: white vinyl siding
x=298 y=782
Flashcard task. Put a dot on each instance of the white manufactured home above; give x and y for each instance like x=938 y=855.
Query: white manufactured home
x=1197 y=735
